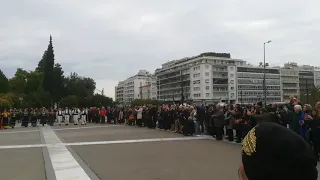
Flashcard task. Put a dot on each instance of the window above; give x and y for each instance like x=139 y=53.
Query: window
x=232 y=94
x=206 y=66
x=207 y=74
x=207 y=80
x=196 y=82
x=197 y=95
x=231 y=75
x=196 y=75
x=207 y=94
x=231 y=81
x=232 y=88
x=231 y=68
x=207 y=87
x=196 y=68
x=196 y=88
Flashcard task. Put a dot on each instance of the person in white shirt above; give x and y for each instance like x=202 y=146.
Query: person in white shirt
x=83 y=119
x=59 y=116
x=139 y=116
x=67 y=113
x=75 y=116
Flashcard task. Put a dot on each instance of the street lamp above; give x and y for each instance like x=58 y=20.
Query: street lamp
x=264 y=72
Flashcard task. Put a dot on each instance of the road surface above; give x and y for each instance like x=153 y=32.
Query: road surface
x=117 y=152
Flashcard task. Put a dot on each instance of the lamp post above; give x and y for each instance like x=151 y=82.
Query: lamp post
x=264 y=72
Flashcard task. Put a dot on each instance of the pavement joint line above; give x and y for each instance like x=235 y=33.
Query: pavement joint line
x=59 y=129
x=12 y=132
x=88 y=127
x=61 y=144
x=64 y=164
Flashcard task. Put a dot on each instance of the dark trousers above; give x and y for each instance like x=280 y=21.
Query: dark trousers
x=201 y=125
x=25 y=121
x=230 y=134
x=103 y=119
x=219 y=133
x=238 y=129
x=5 y=121
x=96 y=119
x=154 y=121
x=131 y=122
x=188 y=127
x=43 y=120
x=13 y=121
x=139 y=122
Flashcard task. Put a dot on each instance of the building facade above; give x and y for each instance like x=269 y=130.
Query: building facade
x=250 y=86
x=204 y=79
x=317 y=76
x=119 y=92
x=290 y=81
x=149 y=90
x=130 y=89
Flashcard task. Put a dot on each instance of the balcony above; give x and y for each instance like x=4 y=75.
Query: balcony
x=216 y=76
x=290 y=87
x=290 y=81
x=220 y=90
x=220 y=69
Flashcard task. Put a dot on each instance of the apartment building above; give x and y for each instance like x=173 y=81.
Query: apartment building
x=149 y=90
x=317 y=76
x=205 y=79
x=250 y=88
x=119 y=92
x=290 y=81
x=130 y=89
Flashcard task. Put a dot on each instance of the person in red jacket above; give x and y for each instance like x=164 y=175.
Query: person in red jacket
x=103 y=113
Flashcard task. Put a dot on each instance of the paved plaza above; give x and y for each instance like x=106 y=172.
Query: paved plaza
x=117 y=152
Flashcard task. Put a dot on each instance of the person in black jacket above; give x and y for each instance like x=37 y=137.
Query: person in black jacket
x=218 y=119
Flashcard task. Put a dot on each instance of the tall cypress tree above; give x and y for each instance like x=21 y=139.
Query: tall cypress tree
x=4 y=83
x=40 y=67
x=48 y=64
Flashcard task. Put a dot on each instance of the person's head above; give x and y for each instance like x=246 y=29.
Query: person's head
x=315 y=112
x=297 y=108
x=307 y=107
x=271 y=151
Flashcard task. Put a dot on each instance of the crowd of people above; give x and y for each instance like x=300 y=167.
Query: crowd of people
x=34 y=116
x=222 y=121
x=268 y=133
x=231 y=122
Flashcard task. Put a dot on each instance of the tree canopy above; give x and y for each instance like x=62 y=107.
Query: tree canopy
x=47 y=85
x=312 y=98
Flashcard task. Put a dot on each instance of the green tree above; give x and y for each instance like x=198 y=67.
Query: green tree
x=40 y=67
x=141 y=102
x=313 y=98
x=59 y=87
x=5 y=103
x=48 y=65
x=69 y=101
x=18 y=82
x=34 y=82
x=80 y=86
x=99 y=100
x=47 y=84
x=4 y=83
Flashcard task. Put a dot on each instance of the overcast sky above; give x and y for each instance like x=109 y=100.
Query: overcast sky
x=110 y=40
